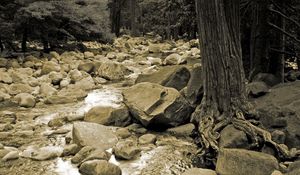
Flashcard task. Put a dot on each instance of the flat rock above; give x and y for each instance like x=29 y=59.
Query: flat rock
x=147 y=139
x=92 y=134
x=109 y=116
x=230 y=137
x=171 y=76
x=182 y=130
x=199 y=171
x=99 y=167
x=242 y=162
x=153 y=104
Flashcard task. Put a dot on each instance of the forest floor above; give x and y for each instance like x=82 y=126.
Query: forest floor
x=42 y=97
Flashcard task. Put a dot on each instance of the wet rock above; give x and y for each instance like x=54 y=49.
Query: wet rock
x=11 y=156
x=241 y=162
x=147 y=139
x=92 y=134
x=113 y=71
x=86 y=67
x=269 y=79
x=71 y=149
x=82 y=154
x=173 y=76
x=199 y=171
x=257 y=89
x=123 y=133
x=153 y=104
x=98 y=154
x=57 y=99
x=174 y=59
x=64 y=82
x=50 y=66
x=126 y=149
x=137 y=128
x=183 y=130
x=25 y=100
x=46 y=153
x=230 y=137
x=109 y=116
x=99 y=167
x=18 y=88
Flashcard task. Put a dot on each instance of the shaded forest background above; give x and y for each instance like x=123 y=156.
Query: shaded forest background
x=270 y=29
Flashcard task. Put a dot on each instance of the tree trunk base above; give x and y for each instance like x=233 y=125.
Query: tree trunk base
x=210 y=123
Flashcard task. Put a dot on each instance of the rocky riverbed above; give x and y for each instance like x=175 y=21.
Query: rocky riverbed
x=125 y=108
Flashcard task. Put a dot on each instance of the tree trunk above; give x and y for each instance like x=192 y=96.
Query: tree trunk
x=259 y=42
x=24 y=40
x=1 y=45
x=133 y=20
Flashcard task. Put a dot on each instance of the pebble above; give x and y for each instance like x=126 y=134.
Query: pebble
x=11 y=156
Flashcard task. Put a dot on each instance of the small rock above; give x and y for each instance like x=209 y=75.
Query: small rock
x=3 y=152
x=199 y=171
x=25 y=100
x=278 y=136
x=154 y=61
x=50 y=66
x=276 y=172
x=86 y=67
x=183 y=130
x=88 y=55
x=75 y=75
x=147 y=139
x=126 y=149
x=174 y=59
x=47 y=153
x=11 y=156
x=137 y=128
x=71 y=149
x=99 y=167
x=109 y=116
x=123 y=133
x=257 y=89
x=47 y=90
x=99 y=155
x=56 y=122
x=1 y=146
x=230 y=137
x=82 y=154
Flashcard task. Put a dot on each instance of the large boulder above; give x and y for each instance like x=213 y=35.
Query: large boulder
x=94 y=135
x=242 y=162
x=280 y=110
x=99 y=167
x=154 y=104
x=269 y=79
x=112 y=70
x=172 y=76
x=108 y=115
x=257 y=89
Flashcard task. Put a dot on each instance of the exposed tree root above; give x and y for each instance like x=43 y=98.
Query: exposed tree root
x=210 y=125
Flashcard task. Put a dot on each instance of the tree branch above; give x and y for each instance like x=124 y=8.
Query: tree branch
x=286 y=17
x=284 y=32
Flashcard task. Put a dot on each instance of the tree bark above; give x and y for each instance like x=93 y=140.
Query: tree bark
x=259 y=42
x=133 y=20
